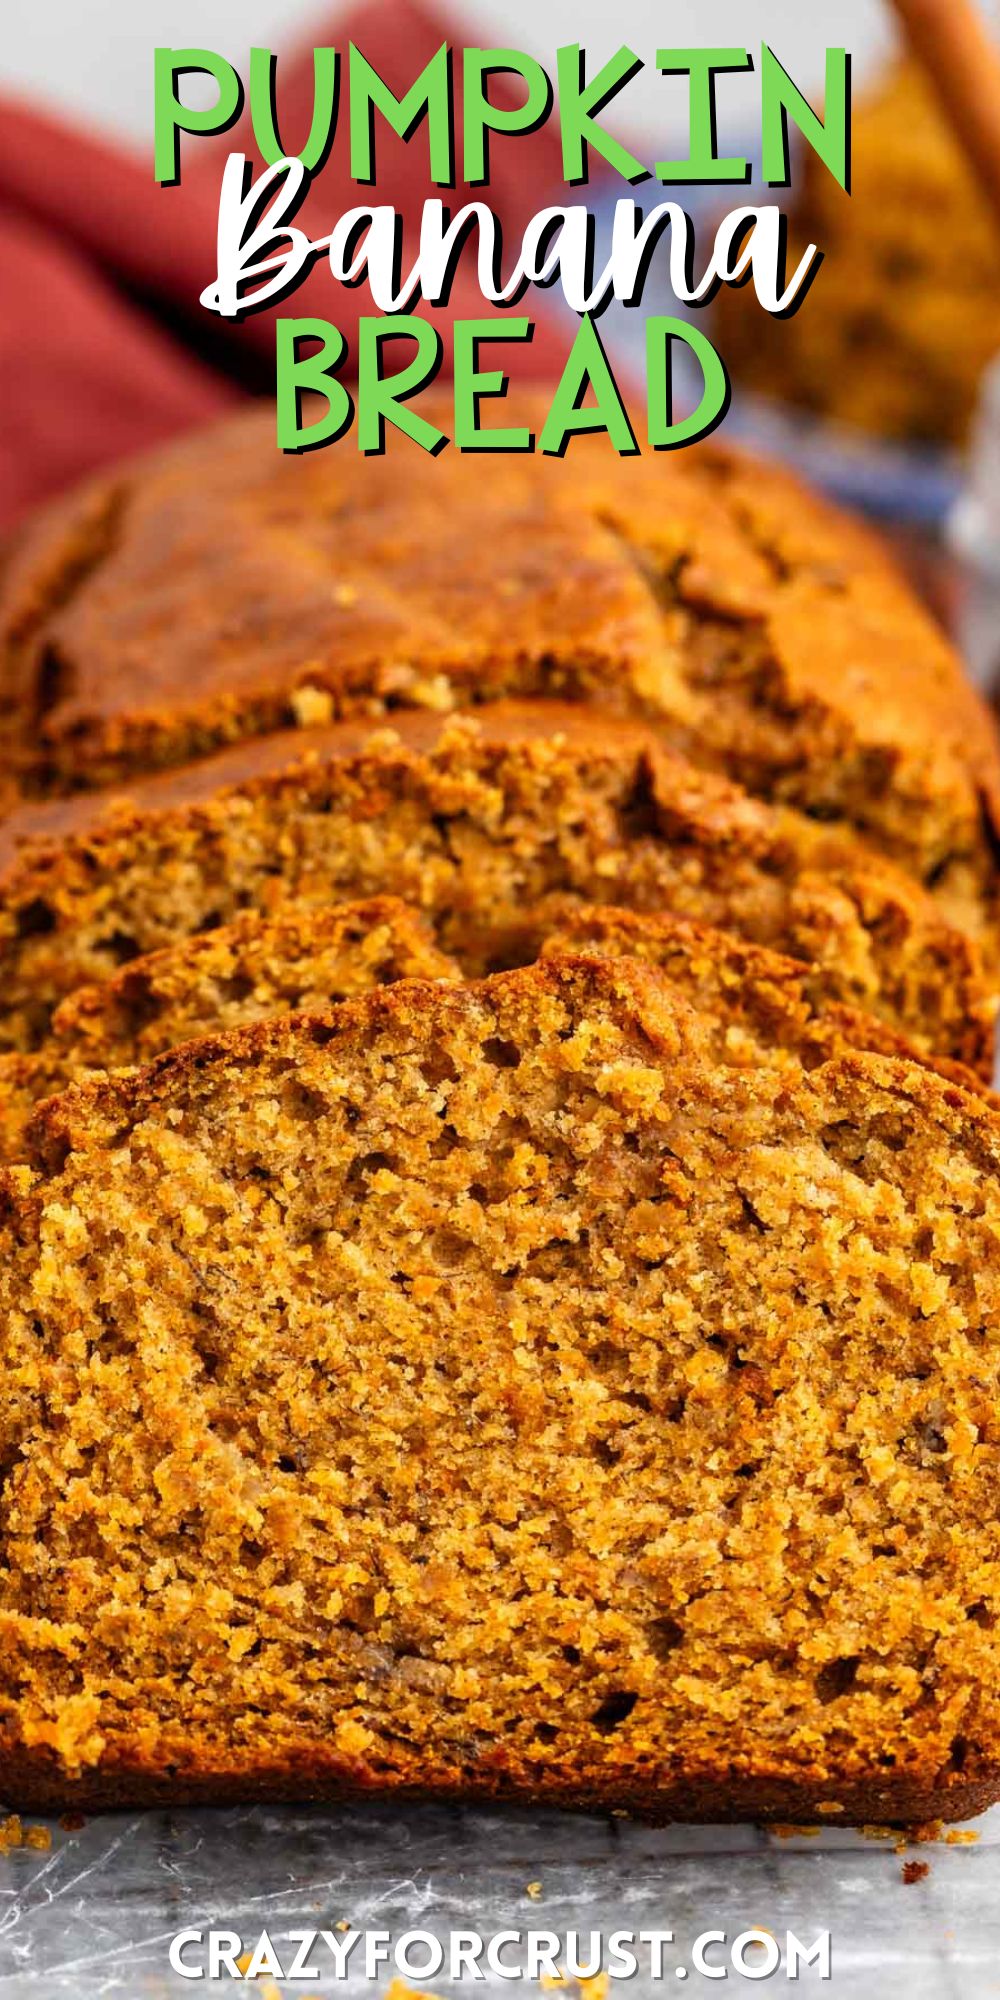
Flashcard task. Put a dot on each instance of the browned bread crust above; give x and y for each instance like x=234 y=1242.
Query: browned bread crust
x=905 y=316
x=245 y=971
x=219 y=589
x=480 y=1392
x=482 y=826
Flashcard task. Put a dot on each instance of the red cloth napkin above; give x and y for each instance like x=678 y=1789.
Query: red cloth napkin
x=104 y=347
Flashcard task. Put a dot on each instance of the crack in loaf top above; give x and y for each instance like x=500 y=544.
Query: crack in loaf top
x=220 y=589
x=414 y=1397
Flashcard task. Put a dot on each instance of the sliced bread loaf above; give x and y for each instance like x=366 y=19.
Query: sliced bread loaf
x=765 y=1007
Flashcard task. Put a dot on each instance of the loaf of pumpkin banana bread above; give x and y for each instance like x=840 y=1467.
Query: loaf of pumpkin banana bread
x=487 y=827
x=477 y=1391
x=220 y=589
x=249 y=970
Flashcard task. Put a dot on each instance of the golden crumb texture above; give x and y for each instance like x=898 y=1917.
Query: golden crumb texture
x=486 y=826
x=499 y=1206
x=219 y=590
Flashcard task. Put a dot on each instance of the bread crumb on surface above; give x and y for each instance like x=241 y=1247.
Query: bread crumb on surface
x=914 y=1871
x=13 y=1833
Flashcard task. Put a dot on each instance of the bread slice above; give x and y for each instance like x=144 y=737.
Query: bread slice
x=245 y=971
x=219 y=589
x=487 y=827
x=477 y=1391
